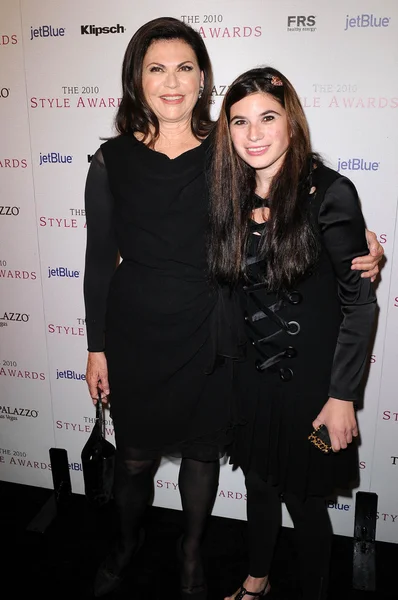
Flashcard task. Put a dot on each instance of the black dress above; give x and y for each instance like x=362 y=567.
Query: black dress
x=305 y=346
x=155 y=316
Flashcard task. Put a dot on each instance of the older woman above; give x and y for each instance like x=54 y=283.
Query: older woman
x=151 y=321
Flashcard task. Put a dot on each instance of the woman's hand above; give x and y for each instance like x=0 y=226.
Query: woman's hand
x=97 y=376
x=339 y=418
x=369 y=264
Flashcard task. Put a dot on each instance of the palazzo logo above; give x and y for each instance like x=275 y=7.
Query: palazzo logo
x=9 y=211
x=301 y=23
x=94 y=30
x=357 y=164
x=45 y=31
x=13 y=163
x=6 y=40
x=365 y=21
x=54 y=158
x=12 y=414
x=8 y=317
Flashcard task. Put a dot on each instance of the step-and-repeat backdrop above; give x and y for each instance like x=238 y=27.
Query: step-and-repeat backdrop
x=60 y=66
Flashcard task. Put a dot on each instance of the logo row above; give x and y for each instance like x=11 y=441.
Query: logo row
x=53 y=158
x=294 y=23
x=45 y=31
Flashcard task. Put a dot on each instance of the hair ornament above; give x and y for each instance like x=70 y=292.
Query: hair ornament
x=275 y=80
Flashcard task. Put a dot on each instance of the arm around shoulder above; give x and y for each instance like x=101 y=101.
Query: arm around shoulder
x=342 y=227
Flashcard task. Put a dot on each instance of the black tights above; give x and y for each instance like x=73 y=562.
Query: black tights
x=311 y=524
x=198 y=482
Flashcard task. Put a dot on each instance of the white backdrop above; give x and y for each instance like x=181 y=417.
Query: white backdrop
x=59 y=88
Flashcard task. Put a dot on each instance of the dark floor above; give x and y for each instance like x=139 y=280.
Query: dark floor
x=60 y=561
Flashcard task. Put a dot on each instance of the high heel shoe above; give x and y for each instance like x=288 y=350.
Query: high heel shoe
x=243 y=592
x=111 y=572
x=190 y=592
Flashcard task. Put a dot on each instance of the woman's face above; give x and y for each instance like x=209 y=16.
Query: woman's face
x=259 y=132
x=171 y=79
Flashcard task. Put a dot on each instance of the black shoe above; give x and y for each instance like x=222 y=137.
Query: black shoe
x=242 y=592
x=111 y=572
x=190 y=592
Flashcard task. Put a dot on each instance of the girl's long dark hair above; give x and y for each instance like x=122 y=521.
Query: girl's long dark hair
x=288 y=243
x=134 y=114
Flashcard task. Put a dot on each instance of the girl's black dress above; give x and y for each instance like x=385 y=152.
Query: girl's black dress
x=305 y=346
x=156 y=315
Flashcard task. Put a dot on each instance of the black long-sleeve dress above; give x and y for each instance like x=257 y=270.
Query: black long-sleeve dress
x=155 y=315
x=305 y=346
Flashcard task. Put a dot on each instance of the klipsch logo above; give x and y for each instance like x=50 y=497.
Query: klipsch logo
x=301 y=23
x=94 y=30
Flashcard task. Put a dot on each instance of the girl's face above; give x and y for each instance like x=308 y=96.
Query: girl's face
x=259 y=132
x=171 y=79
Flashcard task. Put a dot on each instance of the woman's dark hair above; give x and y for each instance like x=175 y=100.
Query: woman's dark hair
x=134 y=113
x=288 y=243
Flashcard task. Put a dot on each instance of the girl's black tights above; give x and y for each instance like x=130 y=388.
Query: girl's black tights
x=312 y=528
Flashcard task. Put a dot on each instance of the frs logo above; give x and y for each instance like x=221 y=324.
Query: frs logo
x=10 y=316
x=12 y=211
x=298 y=22
x=93 y=30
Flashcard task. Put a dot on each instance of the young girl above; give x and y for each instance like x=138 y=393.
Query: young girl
x=285 y=229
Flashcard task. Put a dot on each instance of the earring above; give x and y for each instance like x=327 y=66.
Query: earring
x=200 y=91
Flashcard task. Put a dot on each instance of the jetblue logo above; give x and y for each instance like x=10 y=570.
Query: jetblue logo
x=70 y=375
x=366 y=21
x=45 y=31
x=301 y=23
x=54 y=158
x=63 y=272
x=357 y=164
x=94 y=30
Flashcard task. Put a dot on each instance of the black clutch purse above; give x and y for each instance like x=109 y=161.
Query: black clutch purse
x=320 y=439
x=98 y=462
